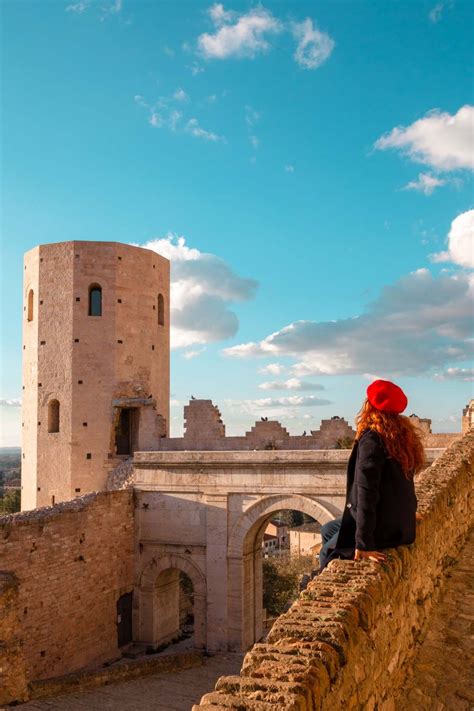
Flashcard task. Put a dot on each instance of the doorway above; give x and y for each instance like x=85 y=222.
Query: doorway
x=124 y=619
x=126 y=430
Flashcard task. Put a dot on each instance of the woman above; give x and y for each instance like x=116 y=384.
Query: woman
x=380 y=509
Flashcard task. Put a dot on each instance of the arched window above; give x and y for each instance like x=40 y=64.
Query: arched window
x=161 y=310
x=95 y=300
x=53 y=416
x=29 y=313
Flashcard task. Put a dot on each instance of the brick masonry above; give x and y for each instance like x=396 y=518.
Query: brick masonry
x=350 y=638
x=71 y=563
x=92 y=365
x=205 y=430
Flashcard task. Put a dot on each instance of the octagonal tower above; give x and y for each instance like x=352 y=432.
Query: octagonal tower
x=95 y=364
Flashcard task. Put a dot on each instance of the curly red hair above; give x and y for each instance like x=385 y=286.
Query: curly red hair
x=399 y=434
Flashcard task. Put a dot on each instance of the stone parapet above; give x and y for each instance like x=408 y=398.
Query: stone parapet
x=13 y=683
x=349 y=639
x=65 y=567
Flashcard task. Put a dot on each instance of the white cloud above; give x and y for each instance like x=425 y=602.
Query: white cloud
x=78 y=7
x=466 y=374
x=290 y=401
x=417 y=325
x=203 y=289
x=164 y=114
x=247 y=34
x=440 y=140
x=219 y=15
x=238 y=36
x=180 y=95
x=252 y=117
x=112 y=8
x=290 y=168
x=290 y=384
x=426 y=183
x=10 y=402
x=460 y=242
x=188 y=355
x=436 y=12
x=168 y=51
x=196 y=130
x=195 y=69
x=314 y=47
x=272 y=369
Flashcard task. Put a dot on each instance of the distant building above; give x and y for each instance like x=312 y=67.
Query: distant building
x=280 y=530
x=305 y=539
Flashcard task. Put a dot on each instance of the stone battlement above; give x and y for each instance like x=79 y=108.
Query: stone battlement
x=348 y=641
x=205 y=430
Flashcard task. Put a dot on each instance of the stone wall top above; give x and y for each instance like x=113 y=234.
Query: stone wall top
x=349 y=640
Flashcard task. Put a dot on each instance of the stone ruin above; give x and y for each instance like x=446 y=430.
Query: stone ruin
x=205 y=430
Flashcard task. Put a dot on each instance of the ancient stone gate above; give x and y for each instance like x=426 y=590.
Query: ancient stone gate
x=205 y=513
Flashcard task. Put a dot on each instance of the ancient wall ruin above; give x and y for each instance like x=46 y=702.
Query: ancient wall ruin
x=205 y=430
x=349 y=639
x=64 y=569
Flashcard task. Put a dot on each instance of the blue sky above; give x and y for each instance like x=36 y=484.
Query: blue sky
x=306 y=166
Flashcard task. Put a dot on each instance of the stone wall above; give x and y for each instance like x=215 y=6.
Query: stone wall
x=205 y=430
x=63 y=569
x=350 y=638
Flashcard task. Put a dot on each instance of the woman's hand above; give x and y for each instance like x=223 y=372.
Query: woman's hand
x=419 y=516
x=370 y=555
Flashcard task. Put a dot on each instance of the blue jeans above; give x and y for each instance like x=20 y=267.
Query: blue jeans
x=329 y=534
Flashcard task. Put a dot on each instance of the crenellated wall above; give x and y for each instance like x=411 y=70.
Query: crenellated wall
x=205 y=430
x=349 y=639
x=64 y=569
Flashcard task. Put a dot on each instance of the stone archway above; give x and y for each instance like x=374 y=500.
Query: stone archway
x=245 y=580
x=159 y=583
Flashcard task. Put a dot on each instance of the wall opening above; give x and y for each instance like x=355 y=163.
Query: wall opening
x=53 y=416
x=161 y=310
x=251 y=551
x=173 y=608
x=29 y=313
x=290 y=549
x=95 y=300
x=124 y=619
x=126 y=431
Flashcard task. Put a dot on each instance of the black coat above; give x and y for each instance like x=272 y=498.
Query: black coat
x=380 y=501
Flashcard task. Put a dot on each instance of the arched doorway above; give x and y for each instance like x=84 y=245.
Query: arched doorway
x=245 y=579
x=169 y=584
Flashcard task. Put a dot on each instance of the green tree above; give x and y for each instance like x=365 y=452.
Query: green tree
x=11 y=502
x=281 y=578
x=291 y=518
x=345 y=442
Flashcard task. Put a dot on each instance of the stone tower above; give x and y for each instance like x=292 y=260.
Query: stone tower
x=95 y=364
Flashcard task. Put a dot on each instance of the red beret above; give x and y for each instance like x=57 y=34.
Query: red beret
x=387 y=396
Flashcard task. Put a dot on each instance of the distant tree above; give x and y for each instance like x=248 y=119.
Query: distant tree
x=281 y=578
x=291 y=518
x=11 y=502
x=279 y=587
x=345 y=442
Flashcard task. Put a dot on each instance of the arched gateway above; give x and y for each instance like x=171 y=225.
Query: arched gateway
x=205 y=513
